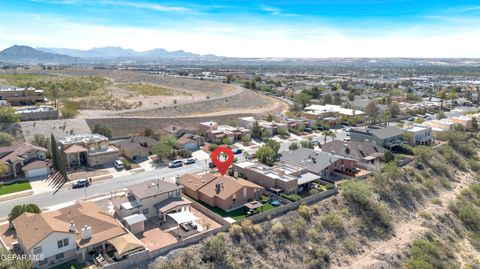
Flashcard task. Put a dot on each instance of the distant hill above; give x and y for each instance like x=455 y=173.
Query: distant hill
x=29 y=55
x=118 y=52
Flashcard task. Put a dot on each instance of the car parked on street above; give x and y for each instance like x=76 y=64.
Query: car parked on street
x=81 y=183
x=189 y=161
x=237 y=151
x=174 y=164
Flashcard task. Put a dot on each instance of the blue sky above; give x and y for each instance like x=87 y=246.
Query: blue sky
x=324 y=28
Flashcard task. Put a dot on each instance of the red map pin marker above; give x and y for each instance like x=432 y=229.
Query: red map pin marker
x=222 y=157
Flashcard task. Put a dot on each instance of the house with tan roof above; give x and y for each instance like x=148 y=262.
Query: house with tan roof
x=87 y=150
x=71 y=233
x=225 y=192
x=25 y=158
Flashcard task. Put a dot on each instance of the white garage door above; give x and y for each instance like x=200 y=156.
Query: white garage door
x=38 y=172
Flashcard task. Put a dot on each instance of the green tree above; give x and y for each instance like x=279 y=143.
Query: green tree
x=327 y=99
x=293 y=146
x=441 y=115
x=5 y=139
x=8 y=115
x=282 y=131
x=273 y=145
x=337 y=99
x=442 y=95
x=474 y=124
x=266 y=155
x=256 y=130
x=245 y=138
x=307 y=144
x=227 y=141
x=69 y=109
x=270 y=118
x=303 y=98
x=394 y=109
x=372 y=111
x=102 y=129
x=329 y=133
x=4 y=168
x=148 y=132
x=41 y=141
x=20 y=209
x=13 y=263
x=162 y=150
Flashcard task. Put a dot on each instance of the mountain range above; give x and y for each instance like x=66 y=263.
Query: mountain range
x=29 y=55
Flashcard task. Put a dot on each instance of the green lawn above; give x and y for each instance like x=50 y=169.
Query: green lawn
x=15 y=187
x=70 y=265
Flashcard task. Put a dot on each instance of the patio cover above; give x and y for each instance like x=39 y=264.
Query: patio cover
x=182 y=217
x=253 y=205
x=134 y=219
x=125 y=243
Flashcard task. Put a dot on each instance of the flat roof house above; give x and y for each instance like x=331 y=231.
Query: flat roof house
x=70 y=233
x=224 y=192
x=387 y=137
x=153 y=198
x=283 y=177
x=466 y=121
x=334 y=108
x=25 y=158
x=87 y=149
x=419 y=134
x=22 y=96
x=321 y=163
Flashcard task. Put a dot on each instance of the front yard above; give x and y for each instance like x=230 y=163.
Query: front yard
x=14 y=187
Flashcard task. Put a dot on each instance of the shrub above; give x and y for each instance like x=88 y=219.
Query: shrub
x=305 y=211
x=216 y=251
x=102 y=129
x=474 y=165
x=5 y=139
x=185 y=153
x=318 y=257
x=69 y=109
x=235 y=231
x=293 y=146
x=127 y=164
x=212 y=147
x=333 y=222
x=430 y=253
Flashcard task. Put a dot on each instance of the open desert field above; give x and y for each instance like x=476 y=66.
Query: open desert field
x=117 y=93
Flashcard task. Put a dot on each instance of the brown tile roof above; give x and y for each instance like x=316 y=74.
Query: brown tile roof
x=32 y=228
x=75 y=148
x=357 y=150
x=152 y=187
x=16 y=151
x=195 y=182
x=35 y=164
x=207 y=187
x=128 y=145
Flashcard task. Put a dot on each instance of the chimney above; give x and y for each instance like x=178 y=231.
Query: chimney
x=73 y=227
x=177 y=179
x=86 y=232
x=235 y=173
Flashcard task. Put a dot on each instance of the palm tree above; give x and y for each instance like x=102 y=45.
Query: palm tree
x=333 y=135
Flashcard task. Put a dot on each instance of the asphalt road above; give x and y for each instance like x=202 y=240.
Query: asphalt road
x=66 y=195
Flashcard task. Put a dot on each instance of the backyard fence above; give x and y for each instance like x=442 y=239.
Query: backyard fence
x=143 y=257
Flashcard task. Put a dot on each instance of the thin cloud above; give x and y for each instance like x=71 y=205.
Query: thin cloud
x=149 y=6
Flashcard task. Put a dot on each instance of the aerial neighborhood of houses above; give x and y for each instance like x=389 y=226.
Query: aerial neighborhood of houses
x=126 y=198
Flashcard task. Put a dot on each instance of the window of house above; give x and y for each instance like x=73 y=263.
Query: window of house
x=65 y=242
x=234 y=198
x=145 y=211
x=170 y=195
x=60 y=243
x=37 y=250
x=59 y=256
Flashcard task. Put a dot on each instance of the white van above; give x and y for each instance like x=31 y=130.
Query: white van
x=118 y=164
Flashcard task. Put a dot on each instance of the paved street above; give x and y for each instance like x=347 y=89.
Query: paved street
x=65 y=195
